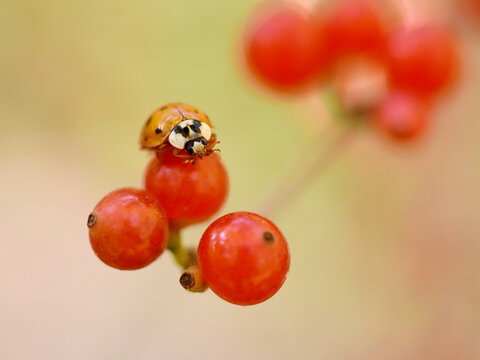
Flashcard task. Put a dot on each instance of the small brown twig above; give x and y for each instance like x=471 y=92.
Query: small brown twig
x=316 y=158
x=307 y=168
x=192 y=279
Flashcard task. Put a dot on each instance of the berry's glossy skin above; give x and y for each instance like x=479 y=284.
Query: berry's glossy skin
x=181 y=128
x=190 y=193
x=128 y=229
x=424 y=59
x=353 y=27
x=402 y=116
x=244 y=258
x=282 y=47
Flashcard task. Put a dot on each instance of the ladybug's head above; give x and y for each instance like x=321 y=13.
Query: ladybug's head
x=191 y=135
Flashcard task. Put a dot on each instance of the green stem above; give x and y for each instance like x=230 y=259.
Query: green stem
x=306 y=169
x=316 y=158
x=180 y=254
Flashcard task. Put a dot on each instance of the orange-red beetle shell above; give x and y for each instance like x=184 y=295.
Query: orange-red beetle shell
x=159 y=125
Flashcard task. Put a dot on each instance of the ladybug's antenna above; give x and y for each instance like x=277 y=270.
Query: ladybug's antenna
x=181 y=113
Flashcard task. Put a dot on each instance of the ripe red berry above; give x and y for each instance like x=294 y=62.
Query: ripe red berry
x=244 y=258
x=423 y=59
x=282 y=47
x=128 y=229
x=354 y=26
x=190 y=193
x=402 y=116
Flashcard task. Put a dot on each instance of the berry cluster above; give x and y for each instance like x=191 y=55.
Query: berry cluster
x=243 y=257
x=379 y=67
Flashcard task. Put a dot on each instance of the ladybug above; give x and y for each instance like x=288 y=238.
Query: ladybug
x=181 y=127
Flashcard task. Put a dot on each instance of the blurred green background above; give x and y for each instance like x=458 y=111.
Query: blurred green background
x=385 y=244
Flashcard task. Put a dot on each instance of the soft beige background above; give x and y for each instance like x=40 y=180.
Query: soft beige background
x=385 y=245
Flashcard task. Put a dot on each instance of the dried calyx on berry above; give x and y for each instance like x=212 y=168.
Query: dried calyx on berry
x=192 y=279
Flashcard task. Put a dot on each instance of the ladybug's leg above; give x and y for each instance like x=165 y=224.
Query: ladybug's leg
x=160 y=150
x=211 y=144
x=176 y=152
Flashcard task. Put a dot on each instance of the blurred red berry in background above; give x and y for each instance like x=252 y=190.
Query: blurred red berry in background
x=424 y=59
x=283 y=47
x=354 y=26
x=128 y=229
x=402 y=116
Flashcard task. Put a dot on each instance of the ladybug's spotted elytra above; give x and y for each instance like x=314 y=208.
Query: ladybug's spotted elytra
x=179 y=127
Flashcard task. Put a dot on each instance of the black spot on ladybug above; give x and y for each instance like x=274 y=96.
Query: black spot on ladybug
x=196 y=126
x=189 y=146
x=203 y=141
x=92 y=219
x=145 y=138
x=158 y=131
x=268 y=237
x=181 y=130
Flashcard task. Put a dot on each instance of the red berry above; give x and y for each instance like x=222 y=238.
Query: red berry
x=282 y=47
x=402 y=116
x=190 y=193
x=354 y=26
x=128 y=229
x=244 y=258
x=423 y=59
